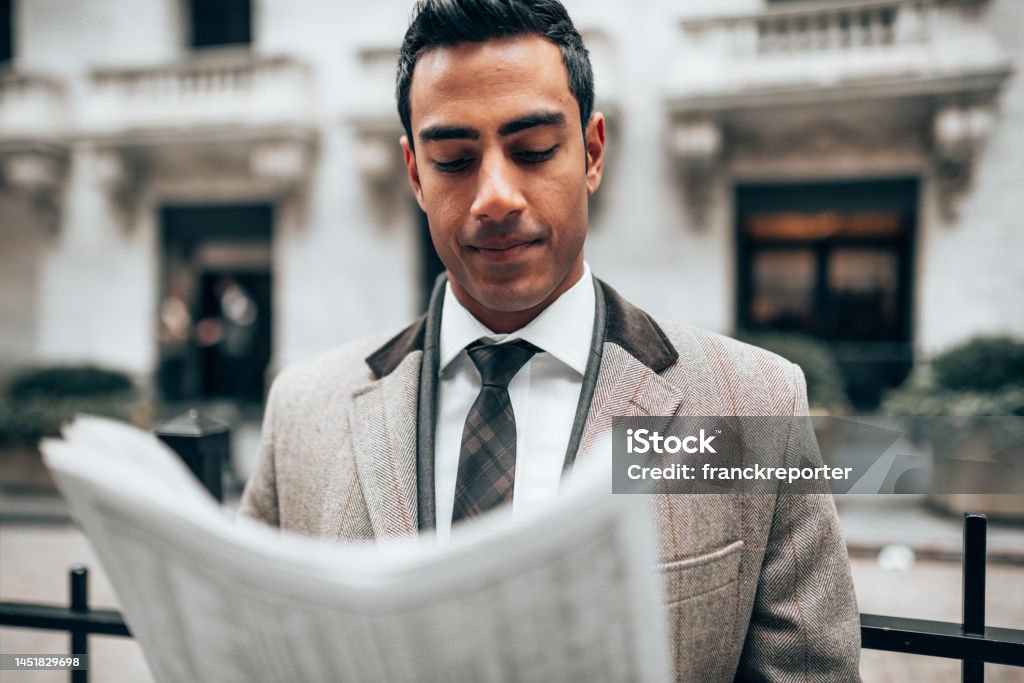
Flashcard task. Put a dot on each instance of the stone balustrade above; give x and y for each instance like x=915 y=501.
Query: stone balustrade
x=232 y=90
x=31 y=107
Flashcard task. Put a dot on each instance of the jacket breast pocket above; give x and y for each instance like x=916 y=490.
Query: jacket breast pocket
x=701 y=611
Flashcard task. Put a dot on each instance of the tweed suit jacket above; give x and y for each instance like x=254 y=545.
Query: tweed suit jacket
x=757 y=587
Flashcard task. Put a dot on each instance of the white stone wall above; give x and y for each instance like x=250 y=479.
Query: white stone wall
x=97 y=281
x=641 y=240
x=970 y=270
x=19 y=281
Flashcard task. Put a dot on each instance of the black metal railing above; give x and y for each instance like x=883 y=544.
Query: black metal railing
x=203 y=445
x=970 y=641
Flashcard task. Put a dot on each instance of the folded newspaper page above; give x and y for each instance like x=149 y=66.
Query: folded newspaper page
x=568 y=593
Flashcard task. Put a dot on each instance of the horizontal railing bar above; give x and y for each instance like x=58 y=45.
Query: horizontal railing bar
x=893 y=634
x=941 y=639
x=107 y=622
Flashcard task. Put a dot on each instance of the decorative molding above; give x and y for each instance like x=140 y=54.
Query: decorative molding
x=123 y=175
x=825 y=137
x=286 y=163
x=378 y=157
x=697 y=145
x=266 y=163
x=959 y=134
x=38 y=175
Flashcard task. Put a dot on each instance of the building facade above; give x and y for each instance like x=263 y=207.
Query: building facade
x=201 y=192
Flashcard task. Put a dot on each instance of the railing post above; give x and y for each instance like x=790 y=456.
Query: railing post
x=78 y=584
x=972 y=670
x=203 y=444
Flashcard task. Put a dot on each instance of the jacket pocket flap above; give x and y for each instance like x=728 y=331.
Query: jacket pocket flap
x=693 y=576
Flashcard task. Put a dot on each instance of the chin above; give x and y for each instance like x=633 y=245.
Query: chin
x=511 y=297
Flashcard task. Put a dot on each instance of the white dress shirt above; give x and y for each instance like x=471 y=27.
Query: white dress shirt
x=544 y=394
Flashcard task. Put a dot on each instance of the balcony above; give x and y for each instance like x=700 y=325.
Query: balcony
x=32 y=109
x=814 y=52
x=252 y=114
x=862 y=87
x=231 y=94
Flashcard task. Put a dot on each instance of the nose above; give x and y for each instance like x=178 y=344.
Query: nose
x=498 y=195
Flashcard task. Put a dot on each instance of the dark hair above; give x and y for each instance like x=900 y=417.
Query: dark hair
x=442 y=23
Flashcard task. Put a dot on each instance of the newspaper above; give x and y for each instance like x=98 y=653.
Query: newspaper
x=567 y=593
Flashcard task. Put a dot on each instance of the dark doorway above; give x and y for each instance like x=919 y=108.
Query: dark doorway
x=430 y=264
x=833 y=261
x=215 y=310
x=220 y=22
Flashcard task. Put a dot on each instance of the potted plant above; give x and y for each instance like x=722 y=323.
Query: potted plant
x=967 y=405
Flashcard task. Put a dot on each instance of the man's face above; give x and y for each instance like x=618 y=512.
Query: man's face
x=503 y=172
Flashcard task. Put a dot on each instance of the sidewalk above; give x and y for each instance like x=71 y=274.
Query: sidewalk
x=873 y=522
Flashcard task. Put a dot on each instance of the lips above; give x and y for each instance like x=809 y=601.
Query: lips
x=504 y=250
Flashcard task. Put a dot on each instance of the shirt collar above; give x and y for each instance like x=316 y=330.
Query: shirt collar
x=563 y=329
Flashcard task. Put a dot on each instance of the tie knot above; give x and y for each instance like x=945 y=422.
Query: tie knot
x=499 y=363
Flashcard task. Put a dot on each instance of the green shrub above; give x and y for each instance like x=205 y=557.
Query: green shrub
x=920 y=401
x=69 y=380
x=33 y=419
x=982 y=364
x=826 y=389
x=970 y=387
x=40 y=401
x=984 y=376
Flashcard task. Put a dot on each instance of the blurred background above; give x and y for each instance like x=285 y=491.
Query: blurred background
x=196 y=193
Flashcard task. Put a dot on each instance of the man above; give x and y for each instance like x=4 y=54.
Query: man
x=523 y=359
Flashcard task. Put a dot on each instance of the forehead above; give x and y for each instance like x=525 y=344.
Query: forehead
x=489 y=83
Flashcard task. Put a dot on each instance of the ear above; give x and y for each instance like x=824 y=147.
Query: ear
x=594 y=140
x=409 y=157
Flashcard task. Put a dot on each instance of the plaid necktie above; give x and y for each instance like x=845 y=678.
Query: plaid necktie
x=487 y=461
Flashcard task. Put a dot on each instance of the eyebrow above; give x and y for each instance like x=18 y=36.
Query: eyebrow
x=553 y=118
x=435 y=133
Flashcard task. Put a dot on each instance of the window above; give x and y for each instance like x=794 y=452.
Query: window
x=220 y=22
x=6 y=31
x=832 y=261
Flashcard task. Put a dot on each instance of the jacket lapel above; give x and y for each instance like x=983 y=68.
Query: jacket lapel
x=634 y=353
x=382 y=421
x=626 y=388
x=383 y=424
x=392 y=423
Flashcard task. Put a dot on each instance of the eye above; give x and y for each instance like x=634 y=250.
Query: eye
x=453 y=166
x=532 y=157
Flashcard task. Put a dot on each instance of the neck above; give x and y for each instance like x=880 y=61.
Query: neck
x=504 y=322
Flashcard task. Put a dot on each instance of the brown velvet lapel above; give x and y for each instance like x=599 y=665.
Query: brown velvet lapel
x=636 y=332
x=385 y=359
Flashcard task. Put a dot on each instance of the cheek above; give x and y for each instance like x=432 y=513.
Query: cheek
x=561 y=204
x=442 y=225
